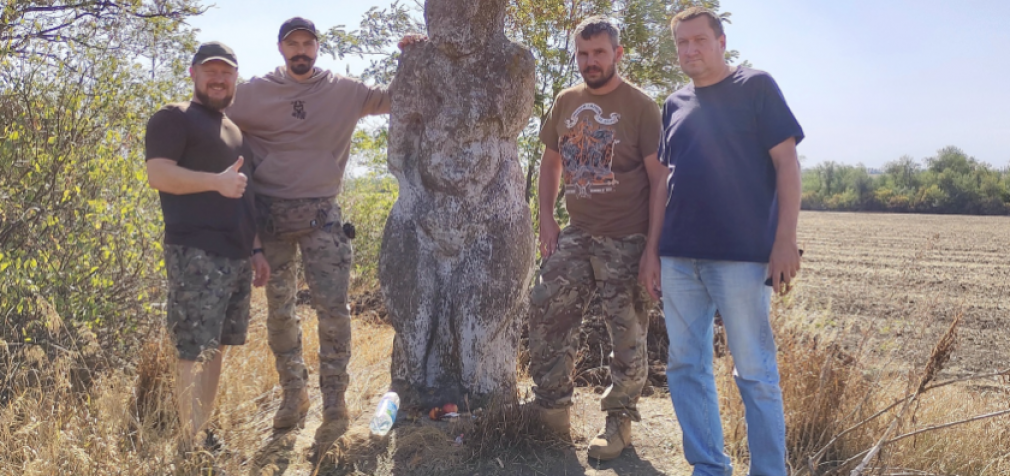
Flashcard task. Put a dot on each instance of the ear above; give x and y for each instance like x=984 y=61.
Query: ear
x=618 y=54
x=722 y=43
x=192 y=73
x=280 y=49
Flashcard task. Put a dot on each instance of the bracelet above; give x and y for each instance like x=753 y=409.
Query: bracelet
x=257 y=250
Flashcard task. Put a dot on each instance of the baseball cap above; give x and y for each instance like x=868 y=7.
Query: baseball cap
x=295 y=24
x=215 y=50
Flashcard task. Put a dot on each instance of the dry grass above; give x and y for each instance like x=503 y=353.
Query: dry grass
x=127 y=425
x=844 y=383
x=840 y=404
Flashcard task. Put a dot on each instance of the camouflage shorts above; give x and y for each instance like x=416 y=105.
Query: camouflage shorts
x=208 y=300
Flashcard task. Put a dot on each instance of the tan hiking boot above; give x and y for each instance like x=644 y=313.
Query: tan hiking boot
x=293 y=408
x=614 y=438
x=557 y=420
x=335 y=420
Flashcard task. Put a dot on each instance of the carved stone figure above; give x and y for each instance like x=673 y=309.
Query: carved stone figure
x=457 y=252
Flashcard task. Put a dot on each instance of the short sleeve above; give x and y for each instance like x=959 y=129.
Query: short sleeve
x=776 y=122
x=166 y=135
x=650 y=130
x=549 y=129
x=665 y=117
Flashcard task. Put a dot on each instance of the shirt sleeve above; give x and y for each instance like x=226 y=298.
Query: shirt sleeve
x=776 y=122
x=239 y=109
x=665 y=118
x=377 y=100
x=166 y=136
x=549 y=130
x=650 y=130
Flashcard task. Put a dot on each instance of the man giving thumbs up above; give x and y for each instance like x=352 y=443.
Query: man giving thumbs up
x=195 y=158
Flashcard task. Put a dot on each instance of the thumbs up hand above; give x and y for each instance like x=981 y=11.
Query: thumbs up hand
x=231 y=182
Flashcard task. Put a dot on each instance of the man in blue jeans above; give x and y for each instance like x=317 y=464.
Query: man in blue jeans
x=729 y=140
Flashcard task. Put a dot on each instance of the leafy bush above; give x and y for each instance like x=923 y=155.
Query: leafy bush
x=951 y=182
x=79 y=228
x=366 y=202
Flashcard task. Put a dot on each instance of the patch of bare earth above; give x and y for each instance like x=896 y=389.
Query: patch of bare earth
x=901 y=280
x=418 y=445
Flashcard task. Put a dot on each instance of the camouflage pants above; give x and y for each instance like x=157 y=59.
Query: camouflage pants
x=558 y=302
x=326 y=259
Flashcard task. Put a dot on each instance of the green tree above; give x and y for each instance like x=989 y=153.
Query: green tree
x=79 y=237
x=903 y=173
x=951 y=182
x=546 y=28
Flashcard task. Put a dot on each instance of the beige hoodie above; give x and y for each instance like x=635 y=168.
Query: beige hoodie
x=300 y=132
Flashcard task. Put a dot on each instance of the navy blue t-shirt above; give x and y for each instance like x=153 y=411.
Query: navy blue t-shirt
x=716 y=139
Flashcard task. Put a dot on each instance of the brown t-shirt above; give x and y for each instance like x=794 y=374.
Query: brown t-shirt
x=603 y=141
x=205 y=140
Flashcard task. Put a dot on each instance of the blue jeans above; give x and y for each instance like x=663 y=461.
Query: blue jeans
x=692 y=291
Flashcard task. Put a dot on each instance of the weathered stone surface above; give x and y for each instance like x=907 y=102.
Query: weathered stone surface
x=457 y=255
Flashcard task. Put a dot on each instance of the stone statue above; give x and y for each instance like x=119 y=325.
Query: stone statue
x=457 y=253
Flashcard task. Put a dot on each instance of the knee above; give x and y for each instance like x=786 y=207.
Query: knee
x=282 y=319
x=334 y=326
x=540 y=297
x=330 y=302
x=688 y=359
x=758 y=370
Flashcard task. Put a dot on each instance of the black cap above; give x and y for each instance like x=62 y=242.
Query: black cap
x=215 y=50
x=295 y=24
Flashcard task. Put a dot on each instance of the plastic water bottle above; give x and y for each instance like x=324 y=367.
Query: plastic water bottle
x=385 y=414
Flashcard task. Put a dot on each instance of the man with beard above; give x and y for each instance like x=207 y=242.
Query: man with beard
x=602 y=137
x=299 y=120
x=730 y=141
x=195 y=159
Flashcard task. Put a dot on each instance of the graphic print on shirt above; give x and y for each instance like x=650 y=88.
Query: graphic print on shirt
x=299 y=109
x=587 y=151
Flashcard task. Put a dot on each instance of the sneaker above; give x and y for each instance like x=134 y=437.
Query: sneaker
x=293 y=408
x=614 y=438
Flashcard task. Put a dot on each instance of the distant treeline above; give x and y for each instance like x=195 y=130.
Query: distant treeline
x=951 y=182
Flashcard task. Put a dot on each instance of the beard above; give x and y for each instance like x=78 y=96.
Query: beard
x=301 y=68
x=215 y=104
x=605 y=78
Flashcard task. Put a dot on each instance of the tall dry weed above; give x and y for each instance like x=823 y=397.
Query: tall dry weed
x=839 y=402
x=125 y=423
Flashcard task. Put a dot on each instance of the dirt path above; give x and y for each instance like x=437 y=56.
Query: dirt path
x=656 y=449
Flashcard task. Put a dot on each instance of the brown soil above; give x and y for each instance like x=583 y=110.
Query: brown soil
x=901 y=279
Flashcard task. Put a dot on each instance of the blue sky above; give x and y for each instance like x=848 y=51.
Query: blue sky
x=869 y=80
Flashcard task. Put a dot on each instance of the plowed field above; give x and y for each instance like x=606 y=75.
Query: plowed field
x=895 y=282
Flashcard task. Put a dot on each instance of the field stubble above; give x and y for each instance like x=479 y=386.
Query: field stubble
x=903 y=278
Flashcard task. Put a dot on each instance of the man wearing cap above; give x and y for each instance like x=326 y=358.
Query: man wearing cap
x=299 y=120
x=196 y=160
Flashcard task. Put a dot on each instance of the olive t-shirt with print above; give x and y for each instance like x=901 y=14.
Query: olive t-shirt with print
x=603 y=140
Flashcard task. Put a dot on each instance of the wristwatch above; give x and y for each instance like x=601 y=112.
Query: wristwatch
x=257 y=250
